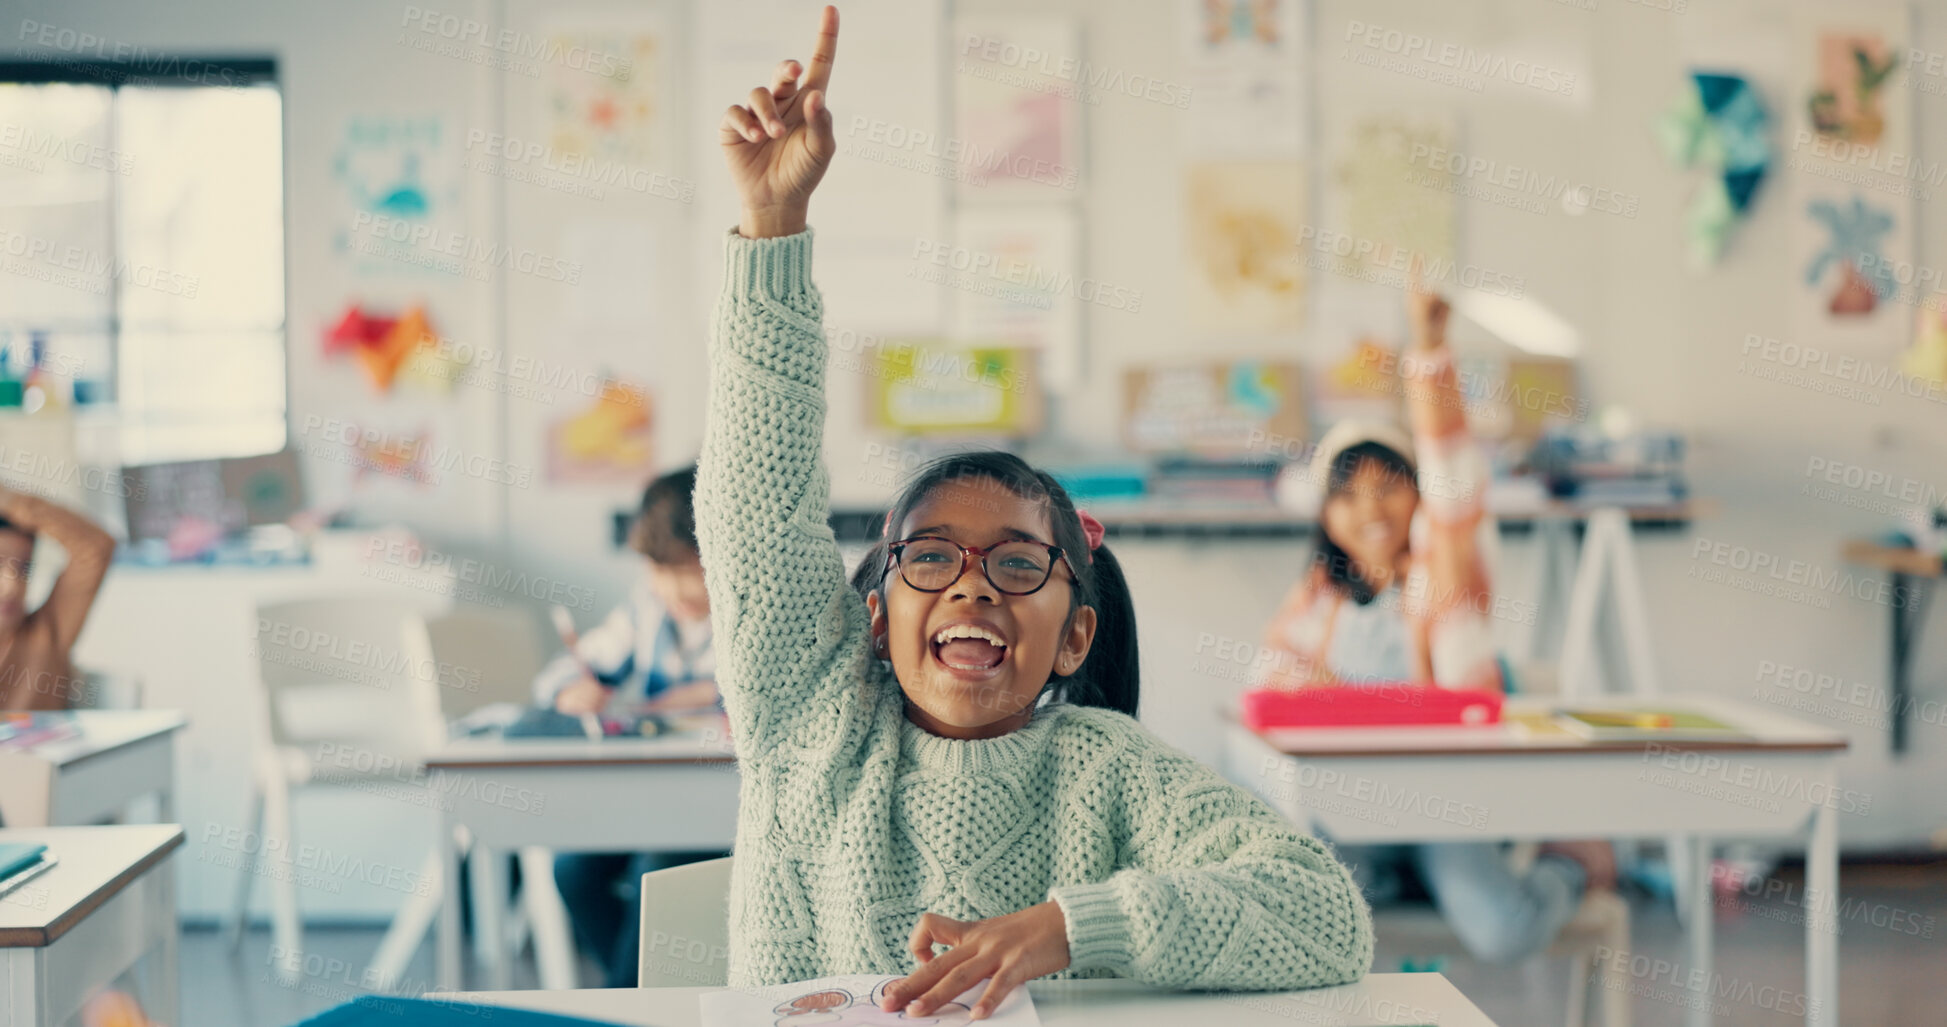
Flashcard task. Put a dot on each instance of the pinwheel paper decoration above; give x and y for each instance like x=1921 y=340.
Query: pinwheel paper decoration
x=387 y=347
x=1854 y=231
x=1720 y=125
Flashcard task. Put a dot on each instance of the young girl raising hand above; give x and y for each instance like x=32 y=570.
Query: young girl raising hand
x=942 y=753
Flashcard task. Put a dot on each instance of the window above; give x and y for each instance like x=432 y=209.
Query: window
x=142 y=251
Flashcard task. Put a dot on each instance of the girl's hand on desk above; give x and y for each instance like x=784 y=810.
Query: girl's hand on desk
x=779 y=145
x=584 y=696
x=1006 y=951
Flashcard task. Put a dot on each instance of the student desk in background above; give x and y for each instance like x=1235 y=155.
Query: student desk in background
x=108 y=905
x=1362 y=786
x=1378 y=1000
x=676 y=792
x=1913 y=573
x=119 y=756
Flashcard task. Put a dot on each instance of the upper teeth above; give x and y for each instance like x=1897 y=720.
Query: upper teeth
x=951 y=632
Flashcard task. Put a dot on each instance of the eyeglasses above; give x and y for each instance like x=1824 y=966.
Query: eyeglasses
x=930 y=563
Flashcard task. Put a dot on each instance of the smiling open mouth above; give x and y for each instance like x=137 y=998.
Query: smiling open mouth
x=969 y=647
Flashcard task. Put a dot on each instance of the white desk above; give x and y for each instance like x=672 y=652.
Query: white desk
x=1379 y=1000
x=119 y=756
x=678 y=792
x=108 y=904
x=1381 y=785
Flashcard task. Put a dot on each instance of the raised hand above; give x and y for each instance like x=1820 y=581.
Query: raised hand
x=1426 y=311
x=780 y=144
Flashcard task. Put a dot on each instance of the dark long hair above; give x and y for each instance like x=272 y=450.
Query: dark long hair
x=1109 y=677
x=1339 y=567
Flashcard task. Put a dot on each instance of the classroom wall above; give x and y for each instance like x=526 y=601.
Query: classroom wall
x=1661 y=339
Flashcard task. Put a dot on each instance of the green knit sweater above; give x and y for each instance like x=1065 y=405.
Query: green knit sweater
x=854 y=821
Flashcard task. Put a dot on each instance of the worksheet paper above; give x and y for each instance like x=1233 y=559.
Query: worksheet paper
x=851 y=1001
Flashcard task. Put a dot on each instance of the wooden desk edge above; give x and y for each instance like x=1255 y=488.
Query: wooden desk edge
x=1901 y=559
x=41 y=937
x=161 y=732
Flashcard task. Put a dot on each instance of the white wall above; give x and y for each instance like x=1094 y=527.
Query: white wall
x=1661 y=339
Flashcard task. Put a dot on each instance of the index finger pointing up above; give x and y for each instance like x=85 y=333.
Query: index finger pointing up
x=823 y=51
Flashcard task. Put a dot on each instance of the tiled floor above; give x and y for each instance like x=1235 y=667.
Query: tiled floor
x=1893 y=957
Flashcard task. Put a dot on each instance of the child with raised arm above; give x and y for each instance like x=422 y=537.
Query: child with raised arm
x=943 y=753
x=1398 y=590
x=36 y=670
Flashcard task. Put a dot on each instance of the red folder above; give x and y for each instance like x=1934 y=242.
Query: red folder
x=1366 y=705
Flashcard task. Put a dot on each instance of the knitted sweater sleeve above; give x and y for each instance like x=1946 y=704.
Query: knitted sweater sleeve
x=787 y=624
x=1214 y=891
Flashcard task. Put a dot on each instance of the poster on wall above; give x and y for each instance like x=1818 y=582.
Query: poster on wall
x=1247 y=63
x=1241 y=232
x=1854 y=165
x=609 y=441
x=932 y=387
x=1017 y=107
x=604 y=100
x=1216 y=409
x=387 y=168
x=1011 y=275
x=1390 y=193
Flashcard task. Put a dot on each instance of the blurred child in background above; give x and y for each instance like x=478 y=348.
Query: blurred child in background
x=36 y=671
x=1398 y=591
x=651 y=656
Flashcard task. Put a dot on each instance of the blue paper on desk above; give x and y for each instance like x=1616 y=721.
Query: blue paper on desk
x=380 y=1011
x=18 y=856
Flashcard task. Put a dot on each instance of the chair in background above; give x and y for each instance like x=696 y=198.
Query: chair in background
x=1599 y=927
x=345 y=675
x=686 y=926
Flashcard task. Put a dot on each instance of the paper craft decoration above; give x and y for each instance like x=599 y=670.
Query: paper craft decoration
x=850 y=1001
x=1245 y=268
x=1847 y=102
x=611 y=441
x=384 y=345
x=1720 y=125
x=609 y=104
x=923 y=387
x=1927 y=358
x=1217 y=409
x=1382 y=196
x=1016 y=119
x=1852 y=262
x=1246 y=61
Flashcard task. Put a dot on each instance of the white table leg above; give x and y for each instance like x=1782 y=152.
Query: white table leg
x=1702 y=919
x=554 y=945
x=409 y=924
x=490 y=897
x=447 y=937
x=1822 y=919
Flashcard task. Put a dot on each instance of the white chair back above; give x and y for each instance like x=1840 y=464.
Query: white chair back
x=352 y=672
x=686 y=926
x=483 y=656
